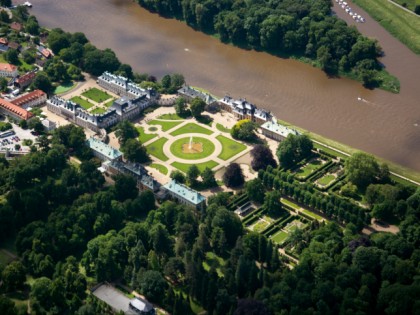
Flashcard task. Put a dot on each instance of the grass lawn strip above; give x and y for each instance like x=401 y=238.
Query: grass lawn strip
x=295 y=224
x=170 y=117
x=201 y=166
x=230 y=147
x=144 y=137
x=65 y=87
x=280 y=237
x=222 y=128
x=109 y=104
x=403 y=25
x=156 y=149
x=84 y=103
x=98 y=110
x=309 y=168
x=191 y=128
x=166 y=125
x=96 y=95
x=161 y=168
x=326 y=180
x=178 y=145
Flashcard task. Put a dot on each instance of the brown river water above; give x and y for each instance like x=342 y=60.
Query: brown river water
x=384 y=124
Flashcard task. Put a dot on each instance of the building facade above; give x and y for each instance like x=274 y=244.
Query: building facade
x=32 y=99
x=16 y=112
x=185 y=195
x=8 y=70
x=190 y=93
x=25 y=80
x=102 y=150
x=242 y=109
x=272 y=129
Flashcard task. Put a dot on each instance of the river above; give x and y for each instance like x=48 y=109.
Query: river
x=384 y=124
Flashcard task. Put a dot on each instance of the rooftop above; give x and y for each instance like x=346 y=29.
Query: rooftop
x=18 y=111
x=141 y=305
x=279 y=129
x=20 y=101
x=7 y=67
x=106 y=150
x=185 y=192
x=26 y=77
x=191 y=92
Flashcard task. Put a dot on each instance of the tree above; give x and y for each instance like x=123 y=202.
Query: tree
x=36 y=125
x=125 y=187
x=57 y=40
x=29 y=56
x=3 y=84
x=255 y=190
x=42 y=82
x=208 y=178
x=417 y=9
x=152 y=285
x=192 y=174
x=197 y=107
x=262 y=157
x=251 y=307
x=294 y=149
x=134 y=151
x=233 y=176
x=12 y=56
x=32 y=26
x=14 y=276
x=272 y=203
x=178 y=176
x=125 y=130
x=7 y=306
x=181 y=106
x=361 y=169
x=244 y=130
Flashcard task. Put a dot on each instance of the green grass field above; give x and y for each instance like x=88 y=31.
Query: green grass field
x=403 y=25
x=170 y=117
x=295 y=224
x=309 y=168
x=98 y=110
x=230 y=147
x=161 y=168
x=410 y=4
x=222 y=128
x=144 y=137
x=290 y=204
x=201 y=166
x=82 y=102
x=96 y=95
x=191 y=128
x=279 y=237
x=166 y=125
x=312 y=215
x=178 y=145
x=260 y=225
x=64 y=87
x=109 y=103
x=326 y=180
x=156 y=149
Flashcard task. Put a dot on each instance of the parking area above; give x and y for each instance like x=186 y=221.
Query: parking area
x=23 y=138
x=114 y=298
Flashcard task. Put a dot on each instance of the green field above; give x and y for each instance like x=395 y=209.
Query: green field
x=64 y=87
x=96 y=95
x=290 y=204
x=295 y=224
x=144 y=137
x=309 y=168
x=311 y=214
x=98 y=110
x=326 y=180
x=156 y=149
x=403 y=25
x=161 y=168
x=178 y=145
x=109 y=103
x=409 y=4
x=260 y=225
x=279 y=237
x=170 y=117
x=191 y=128
x=222 y=128
x=82 y=102
x=230 y=147
x=166 y=125
x=201 y=166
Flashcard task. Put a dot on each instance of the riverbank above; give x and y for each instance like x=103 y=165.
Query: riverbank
x=403 y=25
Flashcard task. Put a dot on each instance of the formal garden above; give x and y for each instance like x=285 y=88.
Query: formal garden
x=94 y=101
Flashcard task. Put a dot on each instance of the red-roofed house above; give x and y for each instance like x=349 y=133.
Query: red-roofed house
x=32 y=99
x=46 y=53
x=3 y=41
x=16 y=26
x=9 y=109
x=25 y=80
x=8 y=70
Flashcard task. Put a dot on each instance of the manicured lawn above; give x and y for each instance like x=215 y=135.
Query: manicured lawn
x=166 y=125
x=109 y=103
x=401 y=24
x=65 y=87
x=191 y=128
x=280 y=237
x=260 y=225
x=309 y=168
x=96 y=95
x=156 y=149
x=222 y=128
x=84 y=103
x=311 y=214
x=177 y=148
x=326 y=180
x=290 y=204
x=230 y=147
x=410 y=4
x=295 y=224
x=170 y=117
x=98 y=110
x=161 y=168
x=144 y=137
x=201 y=166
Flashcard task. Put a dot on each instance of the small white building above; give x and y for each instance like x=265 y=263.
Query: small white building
x=185 y=195
x=141 y=307
x=8 y=70
x=272 y=129
x=103 y=151
x=48 y=125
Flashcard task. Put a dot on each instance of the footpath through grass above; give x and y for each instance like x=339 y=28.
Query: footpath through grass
x=230 y=147
x=166 y=125
x=156 y=149
x=401 y=24
x=144 y=137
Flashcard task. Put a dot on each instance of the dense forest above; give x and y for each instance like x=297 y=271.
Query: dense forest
x=73 y=231
x=283 y=27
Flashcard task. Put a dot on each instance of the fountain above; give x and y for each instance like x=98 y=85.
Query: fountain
x=191 y=142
